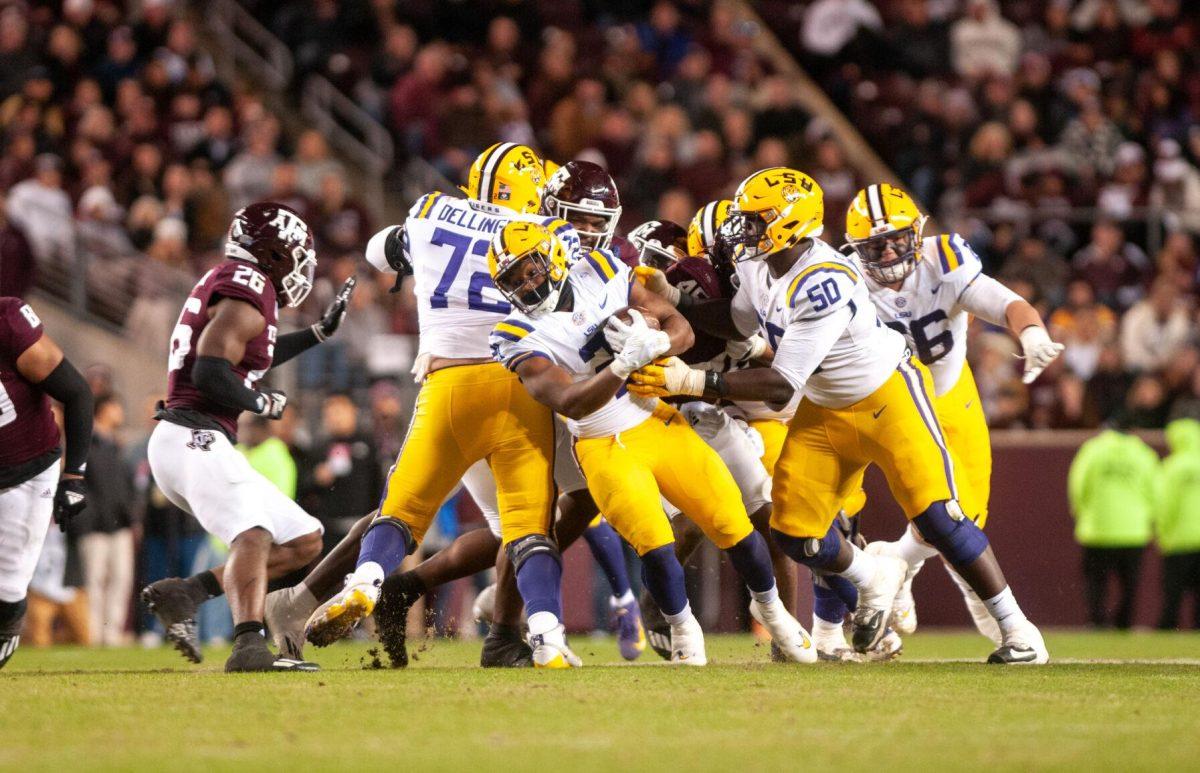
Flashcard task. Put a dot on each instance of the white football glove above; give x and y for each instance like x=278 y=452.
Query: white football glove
x=1039 y=351
x=743 y=351
x=656 y=282
x=672 y=376
x=641 y=348
x=420 y=368
x=617 y=332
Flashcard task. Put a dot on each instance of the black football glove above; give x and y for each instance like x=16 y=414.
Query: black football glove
x=335 y=312
x=271 y=403
x=69 y=500
x=394 y=253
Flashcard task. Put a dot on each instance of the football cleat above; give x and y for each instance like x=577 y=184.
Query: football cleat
x=8 y=648
x=484 y=605
x=904 y=608
x=286 y=624
x=1022 y=646
x=875 y=601
x=687 y=643
x=658 y=630
x=391 y=621
x=251 y=654
x=550 y=650
x=786 y=632
x=175 y=602
x=631 y=636
x=504 y=647
x=888 y=648
x=337 y=617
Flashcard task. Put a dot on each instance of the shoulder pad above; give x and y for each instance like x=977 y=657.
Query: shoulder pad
x=606 y=265
x=952 y=255
x=424 y=205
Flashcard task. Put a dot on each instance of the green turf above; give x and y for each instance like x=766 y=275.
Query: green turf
x=123 y=709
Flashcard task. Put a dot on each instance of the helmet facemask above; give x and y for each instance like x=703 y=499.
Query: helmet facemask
x=298 y=283
x=891 y=256
x=528 y=283
x=574 y=213
x=745 y=233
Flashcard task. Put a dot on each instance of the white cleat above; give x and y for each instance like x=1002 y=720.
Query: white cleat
x=904 y=608
x=687 y=643
x=832 y=646
x=337 y=617
x=875 y=603
x=483 y=609
x=285 y=620
x=786 y=632
x=888 y=648
x=1022 y=646
x=550 y=650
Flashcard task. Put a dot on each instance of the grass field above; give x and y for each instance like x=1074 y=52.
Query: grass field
x=1127 y=701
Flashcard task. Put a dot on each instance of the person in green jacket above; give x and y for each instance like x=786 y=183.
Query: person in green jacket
x=1178 y=523
x=1112 y=489
x=268 y=454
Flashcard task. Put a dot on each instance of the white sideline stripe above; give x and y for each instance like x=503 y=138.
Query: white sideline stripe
x=939 y=661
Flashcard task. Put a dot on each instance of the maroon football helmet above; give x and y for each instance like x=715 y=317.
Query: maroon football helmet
x=697 y=278
x=660 y=243
x=584 y=195
x=276 y=239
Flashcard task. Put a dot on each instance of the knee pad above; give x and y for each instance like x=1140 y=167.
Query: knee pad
x=12 y=613
x=812 y=552
x=410 y=543
x=955 y=536
x=521 y=549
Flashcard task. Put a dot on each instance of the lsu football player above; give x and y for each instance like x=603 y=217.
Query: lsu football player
x=865 y=400
x=469 y=407
x=925 y=287
x=574 y=354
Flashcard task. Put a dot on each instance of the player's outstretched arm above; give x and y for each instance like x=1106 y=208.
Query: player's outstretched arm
x=292 y=344
x=234 y=324
x=43 y=364
x=987 y=298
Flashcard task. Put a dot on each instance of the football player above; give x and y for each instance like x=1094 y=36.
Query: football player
x=469 y=407
x=865 y=400
x=925 y=287
x=32 y=490
x=573 y=355
x=225 y=341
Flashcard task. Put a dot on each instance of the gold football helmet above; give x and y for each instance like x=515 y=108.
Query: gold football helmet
x=528 y=263
x=773 y=210
x=507 y=175
x=883 y=226
x=702 y=231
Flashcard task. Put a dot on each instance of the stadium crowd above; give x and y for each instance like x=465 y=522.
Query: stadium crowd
x=1058 y=137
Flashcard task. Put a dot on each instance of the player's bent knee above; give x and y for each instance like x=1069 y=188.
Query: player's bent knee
x=944 y=527
x=522 y=549
x=813 y=552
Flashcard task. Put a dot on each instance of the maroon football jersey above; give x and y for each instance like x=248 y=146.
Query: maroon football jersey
x=27 y=428
x=234 y=279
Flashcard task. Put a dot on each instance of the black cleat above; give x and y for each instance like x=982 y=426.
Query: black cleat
x=391 y=618
x=1009 y=655
x=251 y=654
x=8 y=647
x=870 y=625
x=504 y=648
x=174 y=602
x=658 y=630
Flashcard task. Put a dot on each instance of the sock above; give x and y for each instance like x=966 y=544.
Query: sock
x=827 y=606
x=610 y=555
x=250 y=626
x=1004 y=608
x=752 y=561
x=766 y=596
x=539 y=579
x=862 y=568
x=844 y=589
x=625 y=599
x=824 y=629
x=662 y=574
x=206 y=582
x=384 y=544
x=913 y=550
x=680 y=617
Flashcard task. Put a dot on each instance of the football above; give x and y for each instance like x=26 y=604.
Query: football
x=624 y=316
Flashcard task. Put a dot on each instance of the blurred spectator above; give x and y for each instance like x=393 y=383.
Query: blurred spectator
x=1155 y=329
x=248 y=176
x=983 y=42
x=57 y=610
x=104 y=527
x=1187 y=404
x=313 y=162
x=1111 y=487
x=340 y=222
x=267 y=454
x=1177 y=522
x=1085 y=326
x=347 y=472
x=18 y=268
x=1117 y=269
x=42 y=210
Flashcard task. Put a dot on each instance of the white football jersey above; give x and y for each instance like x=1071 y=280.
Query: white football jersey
x=795 y=311
x=446 y=240
x=926 y=308
x=574 y=340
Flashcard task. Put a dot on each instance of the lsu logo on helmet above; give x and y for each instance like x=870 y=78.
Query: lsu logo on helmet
x=773 y=210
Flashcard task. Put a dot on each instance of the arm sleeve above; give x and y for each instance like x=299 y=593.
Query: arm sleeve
x=68 y=386
x=745 y=318
x=214 y=377
x=805 y=344
x=292 y=344
x=988 y=299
